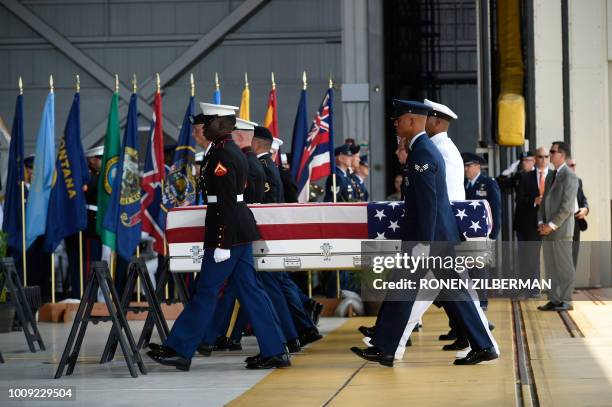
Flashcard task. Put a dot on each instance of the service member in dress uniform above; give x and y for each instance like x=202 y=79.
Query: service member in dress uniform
x=361 y=173
x=479 y=186
x=344 y=188
x=243 y=137
x=262 y=146
x=428 y=218
x=352 y=172
x=230 y=229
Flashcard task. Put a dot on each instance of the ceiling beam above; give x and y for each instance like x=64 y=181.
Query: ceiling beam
x=86 y=63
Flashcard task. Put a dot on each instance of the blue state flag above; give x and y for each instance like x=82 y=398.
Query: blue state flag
x=67 y=206
x=42 y=178
x=11 y=224
x=300 y=134
x=123 y=215
x=180 y=183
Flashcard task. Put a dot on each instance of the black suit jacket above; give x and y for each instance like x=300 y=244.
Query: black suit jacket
x=582 y=203
x=526 y=214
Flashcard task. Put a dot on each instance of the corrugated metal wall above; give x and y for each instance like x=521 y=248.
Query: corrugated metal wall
x=145 y=36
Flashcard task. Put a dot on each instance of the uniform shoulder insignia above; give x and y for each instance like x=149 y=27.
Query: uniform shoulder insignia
x=421 y=168
x=263 y=162
x=220 y=170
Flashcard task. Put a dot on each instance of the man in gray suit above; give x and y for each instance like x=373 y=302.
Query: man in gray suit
x=556 y=226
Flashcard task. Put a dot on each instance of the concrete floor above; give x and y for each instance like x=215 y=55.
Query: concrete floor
x=212 y=381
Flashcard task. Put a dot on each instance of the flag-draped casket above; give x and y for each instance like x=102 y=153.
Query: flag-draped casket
x=313 y=236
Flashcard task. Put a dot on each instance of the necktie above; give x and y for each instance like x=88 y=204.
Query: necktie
x=541 y=183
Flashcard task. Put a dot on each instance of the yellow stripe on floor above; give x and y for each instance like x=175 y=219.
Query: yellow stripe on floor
x=328 y=372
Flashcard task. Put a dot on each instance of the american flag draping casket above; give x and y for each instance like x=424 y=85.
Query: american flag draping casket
x=312 y=236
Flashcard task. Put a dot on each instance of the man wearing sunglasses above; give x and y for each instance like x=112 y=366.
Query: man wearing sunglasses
x=556 y=226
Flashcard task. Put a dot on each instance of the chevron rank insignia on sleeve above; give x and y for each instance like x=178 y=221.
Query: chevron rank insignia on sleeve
x=421 y=168
x=220 y=170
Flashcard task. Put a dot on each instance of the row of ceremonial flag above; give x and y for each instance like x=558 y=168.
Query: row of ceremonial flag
x=130 y=202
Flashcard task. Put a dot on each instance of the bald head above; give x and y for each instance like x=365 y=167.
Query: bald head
x=542 y=158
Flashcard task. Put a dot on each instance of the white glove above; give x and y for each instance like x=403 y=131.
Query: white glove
x=420 y=250
x=221 y=255
x=512 y=169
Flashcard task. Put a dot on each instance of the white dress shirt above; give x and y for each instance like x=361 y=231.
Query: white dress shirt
x=454 y=166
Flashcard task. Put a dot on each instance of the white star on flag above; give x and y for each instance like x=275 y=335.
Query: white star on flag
x=393 y=225
x=474 y=204
x=394 y=204
x=380 y=236
x=461 y=214
x=380 y=214
x=475 y=226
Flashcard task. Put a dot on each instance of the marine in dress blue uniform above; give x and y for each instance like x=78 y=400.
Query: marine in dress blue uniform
x=230 y=229
x=428 y=218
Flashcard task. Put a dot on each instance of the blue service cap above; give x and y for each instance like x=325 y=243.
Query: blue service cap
x=471 y=158
x=343 y=150
x=410 y=106
x=363 y=160
x=29 y=161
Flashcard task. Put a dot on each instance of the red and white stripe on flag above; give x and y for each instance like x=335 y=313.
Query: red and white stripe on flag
x=280 y=222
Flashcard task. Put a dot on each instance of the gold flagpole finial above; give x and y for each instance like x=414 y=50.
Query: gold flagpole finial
x=134 y=84
x=304 y=80
x=158 y=82
x=78 y=84
x=273 y=82
x=192 y=85
x=331 y=83
x=20 y=86
x=246 y=80
x=51 y=83
x=116 y=83
x=216 y=81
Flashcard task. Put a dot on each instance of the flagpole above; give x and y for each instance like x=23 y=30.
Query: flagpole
x=78 y=90
x=338 y=290
x=52 y=254
x=23 y=223
x=134 y=90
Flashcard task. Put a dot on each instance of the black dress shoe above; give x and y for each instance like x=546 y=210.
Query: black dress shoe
x=276 y=361
x=450 y=336
x=252 y=359
x=549 y=306
x=477 y=356
x=171 y=359
x=372 y=354
x=161 y=350
x=368 y=332
x=491 y=326
x=224 y=343
x=294 y=346
x=205 y=349
x=457 y=345
x=310 y=336
x=564 y=306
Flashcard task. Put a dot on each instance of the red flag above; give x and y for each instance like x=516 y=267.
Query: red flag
x=154 y=174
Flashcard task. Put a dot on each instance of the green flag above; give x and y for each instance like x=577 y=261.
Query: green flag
x=110 y=160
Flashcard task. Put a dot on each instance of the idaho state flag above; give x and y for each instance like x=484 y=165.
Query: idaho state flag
x=123 y=213
x=67 y=206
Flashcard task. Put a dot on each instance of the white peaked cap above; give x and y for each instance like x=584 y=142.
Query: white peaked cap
x=242 y=124
x=95 y=151
x=276 y=143
x=211 y=109
x=445 y=111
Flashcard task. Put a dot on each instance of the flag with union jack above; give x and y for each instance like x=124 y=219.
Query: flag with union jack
x=154 y=173
x=317 y=159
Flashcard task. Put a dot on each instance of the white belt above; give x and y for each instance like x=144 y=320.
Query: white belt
x=92 y=208
x=213 y=198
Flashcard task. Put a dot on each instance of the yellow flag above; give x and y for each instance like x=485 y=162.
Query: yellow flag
x=245 y=113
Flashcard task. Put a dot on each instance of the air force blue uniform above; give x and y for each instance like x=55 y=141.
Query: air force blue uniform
x=428 y=218
x=344 y=188
x=486 y=188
